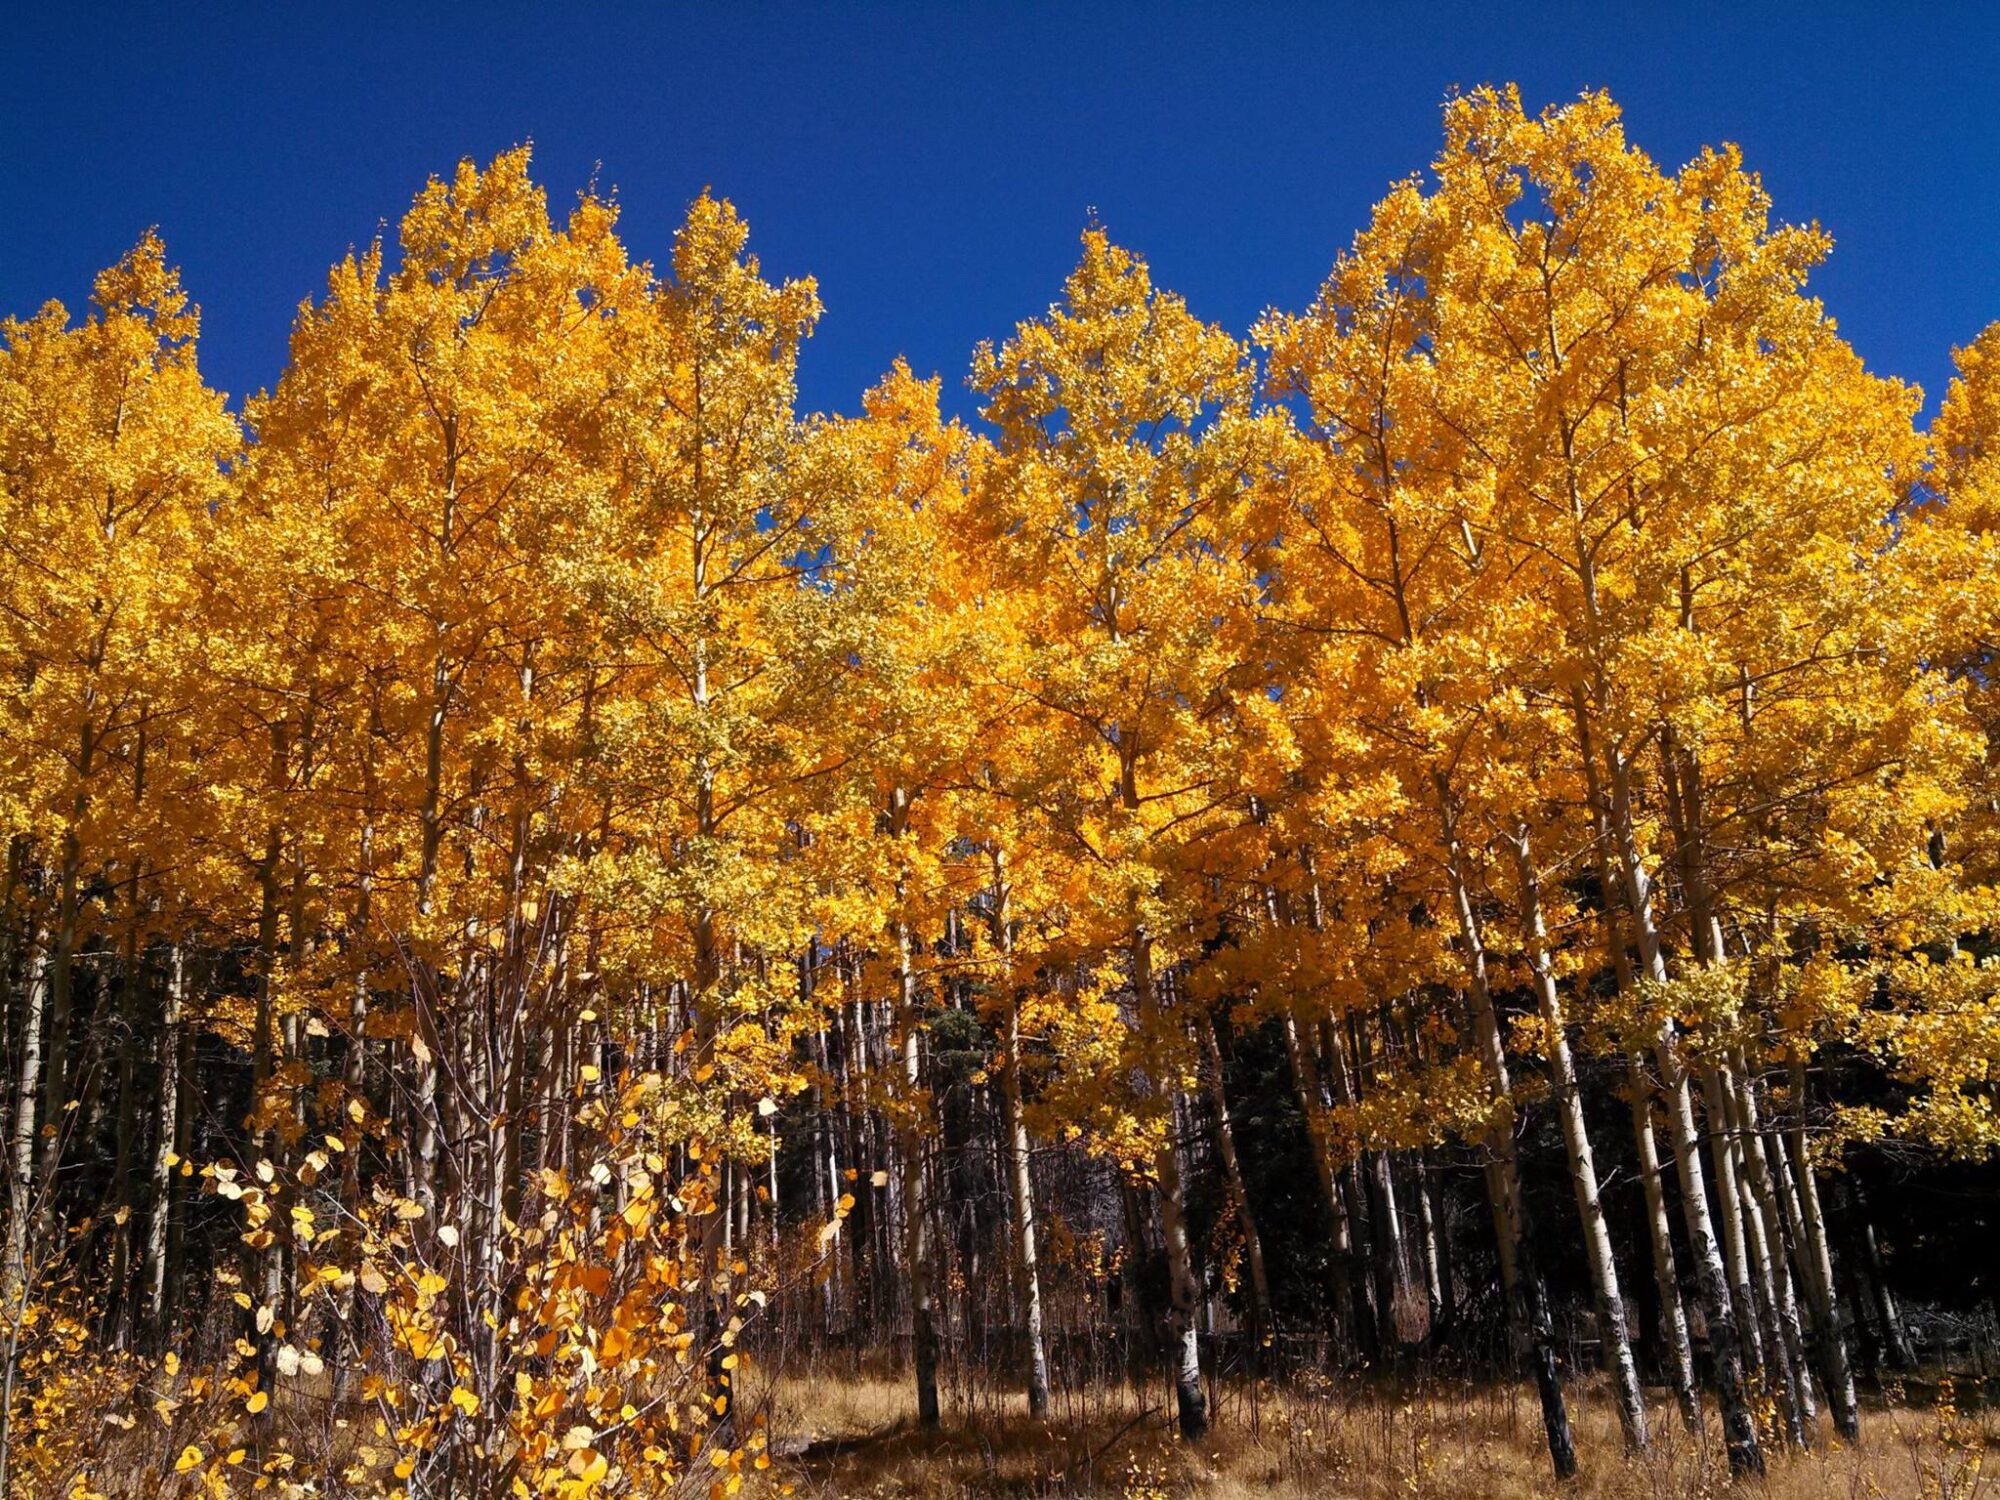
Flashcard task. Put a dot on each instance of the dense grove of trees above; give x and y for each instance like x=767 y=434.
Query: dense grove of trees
x=1458 y=826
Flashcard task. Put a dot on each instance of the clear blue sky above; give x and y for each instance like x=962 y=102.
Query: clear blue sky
x=933 y=165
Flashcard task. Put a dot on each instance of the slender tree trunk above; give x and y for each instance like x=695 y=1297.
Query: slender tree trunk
x=1184 y=1333
x=17 y=1276
x=167 y=1146
x=1678 y=1356
x=62 y=959
x=1895 y=1334
x=1729 y=1204
x=1239 y=1192
x=1375 y=1336
x=1389 y=1261
x=1761 y=1301
x=262 y=1275
x=184 y=1127
x=1353 y=1324
x=1769 y=1244
x=122 y=1311
x=1739 y=1424
x=1437 y=1272
x=915 y=1112
x=1800 y=1186
x=1612 y=1332
x=1528 y=1319
x=21 y=1182
x=1340 y=1264
x=1020 y=1159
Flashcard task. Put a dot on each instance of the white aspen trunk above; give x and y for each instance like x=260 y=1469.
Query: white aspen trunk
x=1739 y=1424
x=1020 y=1159
x=1678 y=1356
x=1184 y=1295
x=1354 y=1194
x=21 y=1177
x=166 y=1144
x=1765 y=1224
x=1729 y=1203
x=1612 y=1331
x=1436 y=1292
x=915 y=1111
x=1388 y=1259
x=1759 y=1301
x=1816 y=1261
x=17 y=1276
x=1527 y=1312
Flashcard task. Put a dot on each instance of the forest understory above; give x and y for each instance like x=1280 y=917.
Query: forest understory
x=844 y=1435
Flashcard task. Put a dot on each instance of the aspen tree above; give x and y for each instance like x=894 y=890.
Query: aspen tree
x=1124 y=442
x=113 y=450
x=1386 y=566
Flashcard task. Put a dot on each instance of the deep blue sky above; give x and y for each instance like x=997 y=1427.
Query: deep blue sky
x=933 y=165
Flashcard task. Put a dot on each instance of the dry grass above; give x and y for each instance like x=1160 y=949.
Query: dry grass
x=1345 y=1441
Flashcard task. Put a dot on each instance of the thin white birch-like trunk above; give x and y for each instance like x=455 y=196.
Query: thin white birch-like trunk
x=1529 y=1325
x=166 y=1143
x=1612 y=1331
x=1739 y=1424
x=1019 y=1156
x=1184 y=1294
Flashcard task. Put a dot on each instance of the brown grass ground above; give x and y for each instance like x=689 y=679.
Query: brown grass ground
x=1346 y=1440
